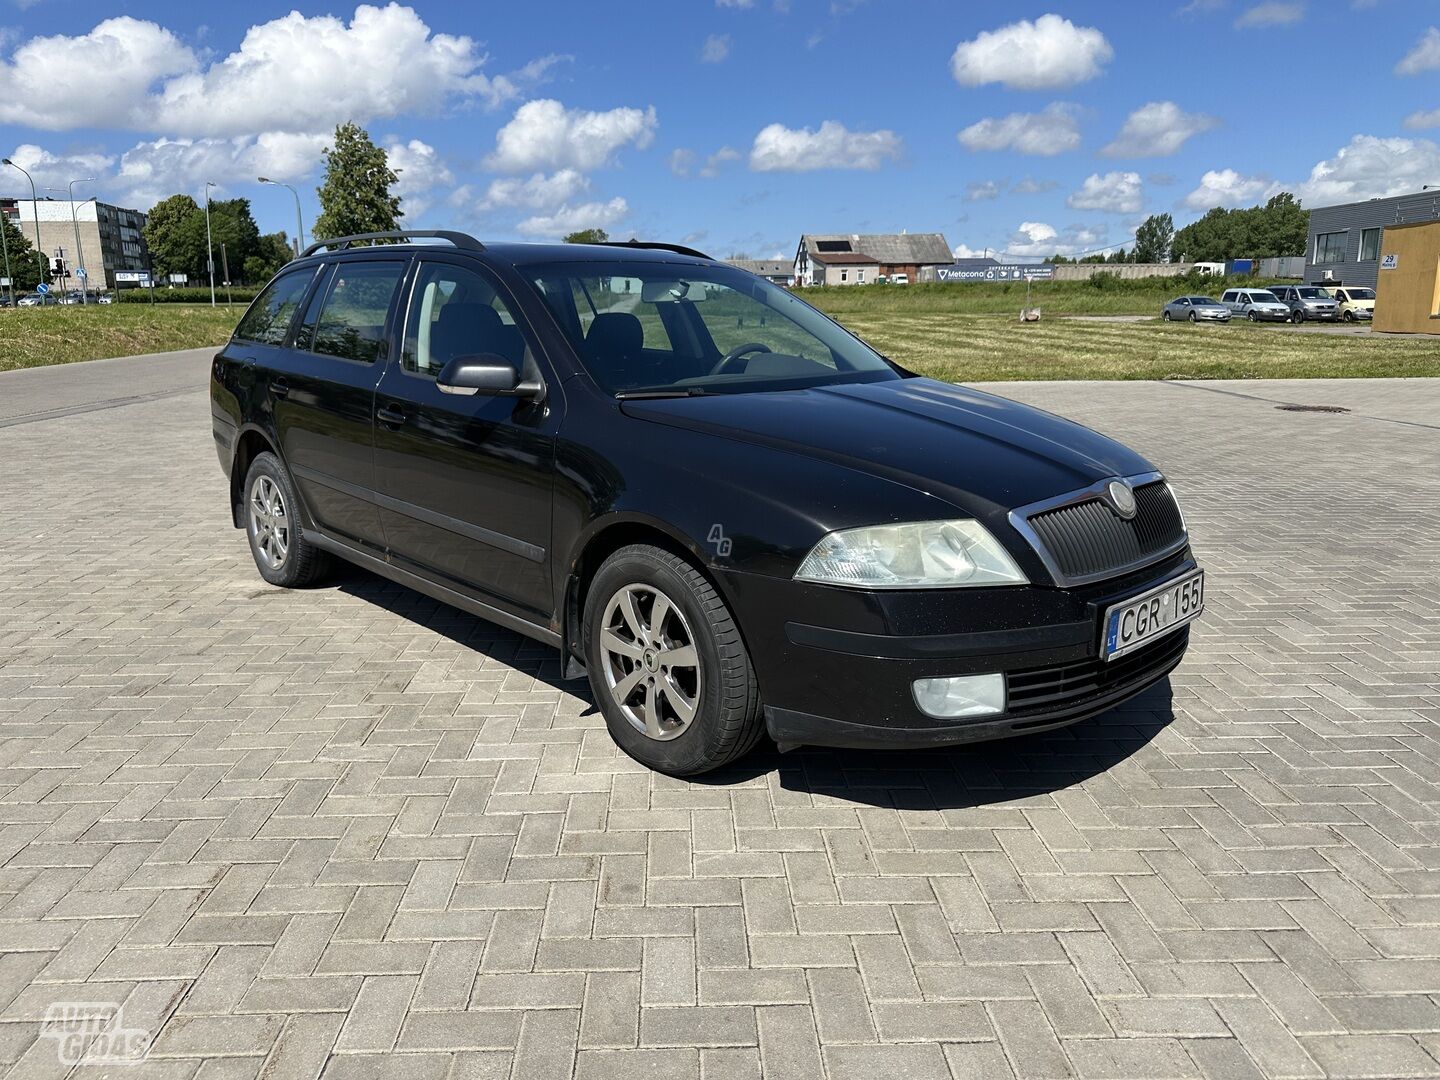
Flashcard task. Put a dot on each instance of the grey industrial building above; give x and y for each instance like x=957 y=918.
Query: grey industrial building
x=1345 y=239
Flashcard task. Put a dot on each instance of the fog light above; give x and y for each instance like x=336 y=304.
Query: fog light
x=961 y=696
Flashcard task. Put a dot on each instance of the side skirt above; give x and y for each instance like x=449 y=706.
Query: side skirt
x=445 y=595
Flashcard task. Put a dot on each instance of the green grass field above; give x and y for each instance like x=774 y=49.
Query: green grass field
x=32 y=337
x=1110 y=296
x=942 y=331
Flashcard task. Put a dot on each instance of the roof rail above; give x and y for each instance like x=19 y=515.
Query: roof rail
x=651 y=245
x=340 y=243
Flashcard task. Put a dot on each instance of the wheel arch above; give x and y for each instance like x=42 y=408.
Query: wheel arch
x=605 y=537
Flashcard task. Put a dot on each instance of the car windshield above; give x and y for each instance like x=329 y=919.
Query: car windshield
x=1314 y=294
x=1362 y=294
x=1264 y=298
x=1197 y=300
x=691 y=329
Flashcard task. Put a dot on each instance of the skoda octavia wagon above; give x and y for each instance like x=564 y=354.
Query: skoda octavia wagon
x=729 y=513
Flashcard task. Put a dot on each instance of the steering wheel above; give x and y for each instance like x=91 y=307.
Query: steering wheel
x=736 y=353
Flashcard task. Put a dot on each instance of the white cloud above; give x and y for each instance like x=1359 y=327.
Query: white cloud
x=1425 y=56
x=421 y=170
x=1369 y=167
x=984 y=190
x=1226 y=187
x=538 y=192
x=682 y=160
x=1047 y=53
x=718 y=160
x=56 y=170
x=1036 y=238
x=296 y=74
x=150 y=171
x=963 y=251
x=1114 y=192
x=1046 y=133
x=735 y=3
x=715 y=49
x=1423 y=119
x=781 y=149
x=1272 y=14
x=1031 y=186
x=1157 y=129
x=544 y=134
x=568 y=219
x=123 y=59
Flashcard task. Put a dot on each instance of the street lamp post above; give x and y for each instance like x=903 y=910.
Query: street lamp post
x=299 y=221
x=79 y=250
x=35 y=208
x=209 y=250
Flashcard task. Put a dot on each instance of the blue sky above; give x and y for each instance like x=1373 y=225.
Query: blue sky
x=738 y=124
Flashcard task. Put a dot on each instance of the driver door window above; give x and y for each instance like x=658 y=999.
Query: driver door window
x=456 y=312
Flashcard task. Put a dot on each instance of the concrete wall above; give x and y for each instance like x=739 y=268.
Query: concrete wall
x=1085 y=271
x=831 y=274
x=1407 y=298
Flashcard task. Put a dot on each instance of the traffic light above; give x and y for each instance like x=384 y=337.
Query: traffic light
x=57 y=266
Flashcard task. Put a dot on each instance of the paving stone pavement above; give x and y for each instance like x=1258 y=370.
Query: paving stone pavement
x=348 y=832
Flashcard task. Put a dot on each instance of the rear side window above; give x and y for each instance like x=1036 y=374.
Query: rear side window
x=268 y=320
x=352 y=320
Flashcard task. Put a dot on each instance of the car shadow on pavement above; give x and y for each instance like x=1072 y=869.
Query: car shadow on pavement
x=940 y=778
x=957 y=777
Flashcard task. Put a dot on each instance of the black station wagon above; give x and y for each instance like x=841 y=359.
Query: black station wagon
x=729 y=512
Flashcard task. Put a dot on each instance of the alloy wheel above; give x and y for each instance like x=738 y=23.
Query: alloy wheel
x=651 y=667
x=269 y=522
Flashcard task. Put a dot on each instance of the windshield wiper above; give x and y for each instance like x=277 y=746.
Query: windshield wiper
x=642 y=395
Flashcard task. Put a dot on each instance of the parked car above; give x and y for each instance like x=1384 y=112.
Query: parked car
x=899 y=279
x=1307 y=302
x=729 y=512
x=1355 y=302
x=105 y=298
x=1196 y=309
x=1257 y=305
x=30 y=300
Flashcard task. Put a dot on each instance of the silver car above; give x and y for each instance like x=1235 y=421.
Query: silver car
x=1196 y=309
x=1307 y=302
x=1257 y=305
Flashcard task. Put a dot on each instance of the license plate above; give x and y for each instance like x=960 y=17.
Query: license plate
x=1141 y=619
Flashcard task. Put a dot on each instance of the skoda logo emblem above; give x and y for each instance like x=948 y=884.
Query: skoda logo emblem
x=1122 y=498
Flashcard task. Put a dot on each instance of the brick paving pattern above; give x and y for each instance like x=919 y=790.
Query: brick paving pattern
x=351 y=833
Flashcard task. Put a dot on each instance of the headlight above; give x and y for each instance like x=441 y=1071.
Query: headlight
x=918 y=555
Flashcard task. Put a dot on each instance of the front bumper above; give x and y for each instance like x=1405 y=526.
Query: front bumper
x=836 y=666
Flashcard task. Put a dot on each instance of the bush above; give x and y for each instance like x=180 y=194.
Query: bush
x=1104 y=280
x=186 y=295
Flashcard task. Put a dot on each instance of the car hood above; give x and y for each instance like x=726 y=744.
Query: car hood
x=981 y=452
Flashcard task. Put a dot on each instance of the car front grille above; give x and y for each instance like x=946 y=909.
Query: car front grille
x=1057 y=688
x=1086 y=540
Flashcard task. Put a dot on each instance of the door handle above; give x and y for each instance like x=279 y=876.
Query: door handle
x=389 y=414
x=280 y=388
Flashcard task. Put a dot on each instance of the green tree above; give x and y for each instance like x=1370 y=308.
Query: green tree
x=27 y=267
x=588 y=236
x=1280 y=227
x=232 y=225
x=175 y=235
x=1153 y=239
x=272 y=252
x=355 y=195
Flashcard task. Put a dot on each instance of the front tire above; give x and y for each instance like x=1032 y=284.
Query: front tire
x=667 y=664
x=1254 y=317
x=272 y=525
x=1165 y=314
x=1349 y=316
x=1194 y=317
x=1297 y=317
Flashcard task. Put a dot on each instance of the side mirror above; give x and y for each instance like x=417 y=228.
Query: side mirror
x=486 y=373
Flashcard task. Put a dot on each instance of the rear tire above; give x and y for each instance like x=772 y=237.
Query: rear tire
x=667 y=665
x=272 y=525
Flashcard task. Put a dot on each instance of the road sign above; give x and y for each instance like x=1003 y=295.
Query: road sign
x=81 y=273
x=42 y=288
x=4 y=282
x=179 y=279
x=132 y=275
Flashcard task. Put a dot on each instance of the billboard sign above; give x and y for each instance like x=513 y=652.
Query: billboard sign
x=996 y=272
x=132 y=275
